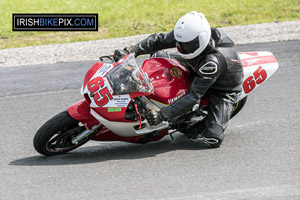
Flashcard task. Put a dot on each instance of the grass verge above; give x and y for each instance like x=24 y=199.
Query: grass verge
x=118 y=18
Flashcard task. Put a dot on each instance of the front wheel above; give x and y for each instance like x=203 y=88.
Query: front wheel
x=55 y=136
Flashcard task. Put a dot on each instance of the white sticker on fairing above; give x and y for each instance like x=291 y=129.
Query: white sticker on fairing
x=104 y=69
x=208 y=68
x=119 y=101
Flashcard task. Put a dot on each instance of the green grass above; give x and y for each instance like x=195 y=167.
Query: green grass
x=118 y=18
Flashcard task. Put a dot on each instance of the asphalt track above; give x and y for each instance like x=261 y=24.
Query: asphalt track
x=259 y=159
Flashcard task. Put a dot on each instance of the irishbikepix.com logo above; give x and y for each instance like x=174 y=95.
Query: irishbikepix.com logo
x=55 y=22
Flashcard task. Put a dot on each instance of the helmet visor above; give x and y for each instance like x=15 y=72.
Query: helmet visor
x=188 y=47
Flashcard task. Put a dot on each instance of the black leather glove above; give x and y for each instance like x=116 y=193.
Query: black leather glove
x=154 y=118
x=118 y=54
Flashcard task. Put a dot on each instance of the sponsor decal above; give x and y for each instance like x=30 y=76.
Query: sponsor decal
x=114 y=109
x=235 y=61
x=175 y=72
x=55 y=22
x=170 y=101
x=207 y=78
x=104 y=69
x=179 y=36
x=121 y=101
x=208 y=68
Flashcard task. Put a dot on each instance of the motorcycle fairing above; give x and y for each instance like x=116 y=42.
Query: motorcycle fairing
x=111 y=87
x=81 y=112
x=109 y=91
x=126 y=128
x=169 y=78
x=107 y=135
x=258 y=67
x=98 y=68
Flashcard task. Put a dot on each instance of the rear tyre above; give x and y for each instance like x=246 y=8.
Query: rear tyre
x=55 y=136
x=238 y=107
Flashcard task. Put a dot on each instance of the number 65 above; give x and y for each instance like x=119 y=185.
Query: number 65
x=258 y=77
x=101 y=97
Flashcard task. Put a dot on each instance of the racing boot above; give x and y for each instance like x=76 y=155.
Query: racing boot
x=211 y=135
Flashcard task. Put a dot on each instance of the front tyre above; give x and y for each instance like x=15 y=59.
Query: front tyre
x=55 y=136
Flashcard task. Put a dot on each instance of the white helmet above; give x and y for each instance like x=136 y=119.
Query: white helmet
x=192 y=33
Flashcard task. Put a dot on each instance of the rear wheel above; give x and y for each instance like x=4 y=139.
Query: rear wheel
x=55 y=136
x=238 y=107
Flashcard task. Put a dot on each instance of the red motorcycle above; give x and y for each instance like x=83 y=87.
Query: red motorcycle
x=117 y=95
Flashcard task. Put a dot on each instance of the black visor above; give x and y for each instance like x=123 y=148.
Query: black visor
x=188 y=47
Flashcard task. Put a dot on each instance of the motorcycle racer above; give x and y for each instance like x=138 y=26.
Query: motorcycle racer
x=214 y=62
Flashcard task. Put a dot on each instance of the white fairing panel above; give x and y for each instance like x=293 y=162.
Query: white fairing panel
x=258 y=67
x=126 y=129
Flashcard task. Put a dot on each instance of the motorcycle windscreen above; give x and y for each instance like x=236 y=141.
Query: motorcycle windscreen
x=127 y=77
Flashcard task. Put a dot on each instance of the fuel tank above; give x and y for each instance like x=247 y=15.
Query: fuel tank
x=169 y=78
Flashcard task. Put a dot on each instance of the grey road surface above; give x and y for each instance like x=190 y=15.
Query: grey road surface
x=259 y=159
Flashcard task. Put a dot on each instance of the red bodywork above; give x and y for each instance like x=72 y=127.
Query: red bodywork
x=170 y=80
x=81 y=112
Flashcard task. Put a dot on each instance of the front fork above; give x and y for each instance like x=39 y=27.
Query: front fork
x=87 y=134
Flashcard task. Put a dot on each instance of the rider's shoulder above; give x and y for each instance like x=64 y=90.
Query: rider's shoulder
x=211 y=57
x=209 y=65
x=221 y=38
